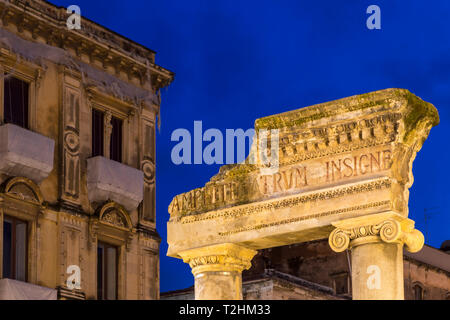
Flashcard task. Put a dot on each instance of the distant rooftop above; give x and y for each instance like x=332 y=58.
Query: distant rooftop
x=431 y=256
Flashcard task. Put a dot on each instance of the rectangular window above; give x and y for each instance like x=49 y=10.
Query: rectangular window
x=106 y=272
x=15 y=102
x=116 y=140
x=14 y=249
x=341 y=283
x=97 y=133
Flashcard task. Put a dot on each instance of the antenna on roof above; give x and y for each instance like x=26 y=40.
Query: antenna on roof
x=427 y=213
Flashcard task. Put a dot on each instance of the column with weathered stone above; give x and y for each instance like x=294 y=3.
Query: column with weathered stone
x=218 y=270
x=345 y=164
x=376 y=244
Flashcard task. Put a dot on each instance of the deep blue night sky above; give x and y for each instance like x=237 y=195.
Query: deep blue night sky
x=236 y=61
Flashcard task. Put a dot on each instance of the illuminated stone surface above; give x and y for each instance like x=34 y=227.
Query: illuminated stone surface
x=345 y=164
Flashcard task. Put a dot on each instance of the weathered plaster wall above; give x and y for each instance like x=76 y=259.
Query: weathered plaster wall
x=70 y=73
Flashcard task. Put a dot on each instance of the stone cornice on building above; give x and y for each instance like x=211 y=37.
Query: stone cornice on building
x=341 y=109
x=48 y=22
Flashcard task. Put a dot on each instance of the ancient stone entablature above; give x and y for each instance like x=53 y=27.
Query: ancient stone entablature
x=113 y=214
x=214 y=264
x=344 y=167
x=43 y=19
x=392 y=123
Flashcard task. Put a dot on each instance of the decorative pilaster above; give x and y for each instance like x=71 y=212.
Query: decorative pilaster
x=147 y=209
x=218 y=270
x=376 y=244
x=70 y=186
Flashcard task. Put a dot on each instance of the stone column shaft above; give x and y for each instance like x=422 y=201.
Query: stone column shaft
x=376 y=244
x=378 y=271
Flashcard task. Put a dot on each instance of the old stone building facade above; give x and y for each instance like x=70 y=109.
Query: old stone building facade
x=312 y=271
x=78 y=112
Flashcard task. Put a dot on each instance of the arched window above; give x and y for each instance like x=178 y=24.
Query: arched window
x=22 y=204
x=112 y=233
x=418 y=292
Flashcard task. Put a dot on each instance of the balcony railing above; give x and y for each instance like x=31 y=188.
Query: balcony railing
x=111 y=180
x=25 y=153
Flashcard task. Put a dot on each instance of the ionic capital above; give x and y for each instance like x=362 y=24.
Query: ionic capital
x=225 y=257
x=389 y=228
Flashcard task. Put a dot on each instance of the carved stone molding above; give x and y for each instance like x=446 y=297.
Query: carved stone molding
x=388 y=228
x=66 y=294
x=306 y=217
x=256 y=208
x=112 y=217
x=348 y=136
x=226 y=257
x=70 y=131
x=113 y=223
x=115 y=215
x=385 y=128
x=24 y=189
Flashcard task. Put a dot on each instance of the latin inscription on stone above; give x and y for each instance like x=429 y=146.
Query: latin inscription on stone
x=358 y=165
x=288 y=180
x=284 y=180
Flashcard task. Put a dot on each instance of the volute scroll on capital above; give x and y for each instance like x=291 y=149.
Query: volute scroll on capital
x=390 y=230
